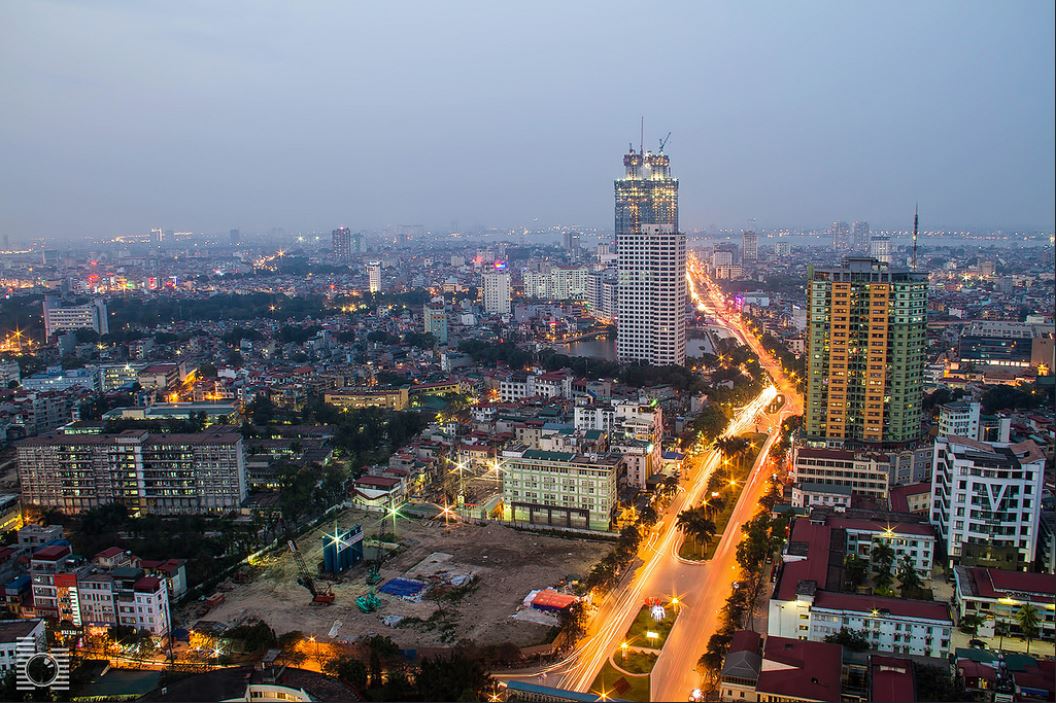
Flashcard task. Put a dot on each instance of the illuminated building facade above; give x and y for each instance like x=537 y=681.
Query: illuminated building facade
x=866 y=353
x=749 y=247
x=374 y=276
x=651 y=293
x=68 y=318
x=496 y=284
x=341 y=243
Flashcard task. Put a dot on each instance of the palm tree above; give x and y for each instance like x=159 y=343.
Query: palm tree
x=882 y=557
x=695 y=523
x=1027 y=619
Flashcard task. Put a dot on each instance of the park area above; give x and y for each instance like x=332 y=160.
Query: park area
x=483 y=571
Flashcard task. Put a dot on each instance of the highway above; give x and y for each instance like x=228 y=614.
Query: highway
x=702 y=588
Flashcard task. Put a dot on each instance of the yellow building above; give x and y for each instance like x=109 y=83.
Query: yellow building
x=369 y=397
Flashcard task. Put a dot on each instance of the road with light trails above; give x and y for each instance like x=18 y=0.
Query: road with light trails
x=702 y=587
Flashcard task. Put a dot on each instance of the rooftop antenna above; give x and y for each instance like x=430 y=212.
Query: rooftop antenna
x=916 y=221
x=641 y=138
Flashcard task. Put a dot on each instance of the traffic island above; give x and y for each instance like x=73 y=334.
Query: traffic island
x=626 y=673
x=728 y=487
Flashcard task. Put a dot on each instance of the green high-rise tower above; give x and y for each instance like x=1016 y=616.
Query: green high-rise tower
x=865 y=354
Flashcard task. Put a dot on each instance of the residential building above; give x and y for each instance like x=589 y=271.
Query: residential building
x=865 y=353
x=996 y=596
x=749 y=247
x=341 y=243
x=865 y=473
x=14 y=637
x=651 y=261
x=559 y=489
x=781 y=669
x=880 y=248
x=168 y=474
x=374 y=277
x=815 y=495
x=356 y=397
x=69 y=318
x=807 y=602
x=960 y=419
x=159 y=377
x=497 y=290
x=986 y=499
x=860 y=236
x=434 y=320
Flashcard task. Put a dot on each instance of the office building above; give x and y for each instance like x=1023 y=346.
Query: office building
x=749 y=247
x=864 y=473
x=860 y=236
x=374 y=277
x=68 y=318
x=841 y=236
x=496 y=284
x=880 y=248
x=341 y=244
x=651 y=261
x=1016 y=345
x=166 y=474
x=355 y=398
x=559 y=489
x=235 y=236
x=114 y=376
x=865 y=353
x=986 y=500
x=434 y=320
x=601 y=294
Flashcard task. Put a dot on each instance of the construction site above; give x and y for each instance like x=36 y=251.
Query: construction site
x=422 y=582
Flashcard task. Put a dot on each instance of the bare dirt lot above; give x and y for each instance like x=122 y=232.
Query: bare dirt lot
x=507 y=563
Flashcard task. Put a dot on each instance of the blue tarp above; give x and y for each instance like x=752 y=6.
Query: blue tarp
x=403 y=588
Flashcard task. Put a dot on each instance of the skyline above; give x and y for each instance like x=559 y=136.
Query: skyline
x=508 y=117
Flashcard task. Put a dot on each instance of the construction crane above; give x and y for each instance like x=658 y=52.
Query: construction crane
x=663 y=142
x=305 y=578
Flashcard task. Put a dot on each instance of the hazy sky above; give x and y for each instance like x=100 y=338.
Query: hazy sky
x=119 y=116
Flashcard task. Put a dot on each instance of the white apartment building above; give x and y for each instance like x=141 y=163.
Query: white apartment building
x=987 y=494
x=60 y=318
x=817 y=495
x=864 y=473
x=374 y=276
x=15 y=632
x=652 y=295
x=496 y=286
x=169 y=474
x=559 y=489
x=959 y=419
x=906 y=539
x=556 y=283
x=519 y=386
x=803 y=606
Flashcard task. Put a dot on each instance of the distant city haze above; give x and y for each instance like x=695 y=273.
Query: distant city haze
x=205 y=116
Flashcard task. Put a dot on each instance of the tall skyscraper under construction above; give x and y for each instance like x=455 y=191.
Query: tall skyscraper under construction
x=651 y=256
x=866 y=351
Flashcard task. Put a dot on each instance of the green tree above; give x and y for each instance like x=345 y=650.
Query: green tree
x=883 y=557
x=455 y=677
x=856 y=570
x=695 y=523
x=382 y=650
x=348 y=669
x=851 y=639
x=1027 y=619
x=910 y=584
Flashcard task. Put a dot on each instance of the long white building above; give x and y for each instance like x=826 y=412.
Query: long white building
x=987 y=496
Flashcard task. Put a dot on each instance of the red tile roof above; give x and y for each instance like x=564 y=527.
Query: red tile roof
x=893 y=680
x=377 y=481
x=817 y=681
x=147 y=584
x=899 y=495
x=55 y=551
x=109 y=553
x=899 y=607
x=815 y=567
x=997 y=583
x=903 y=528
